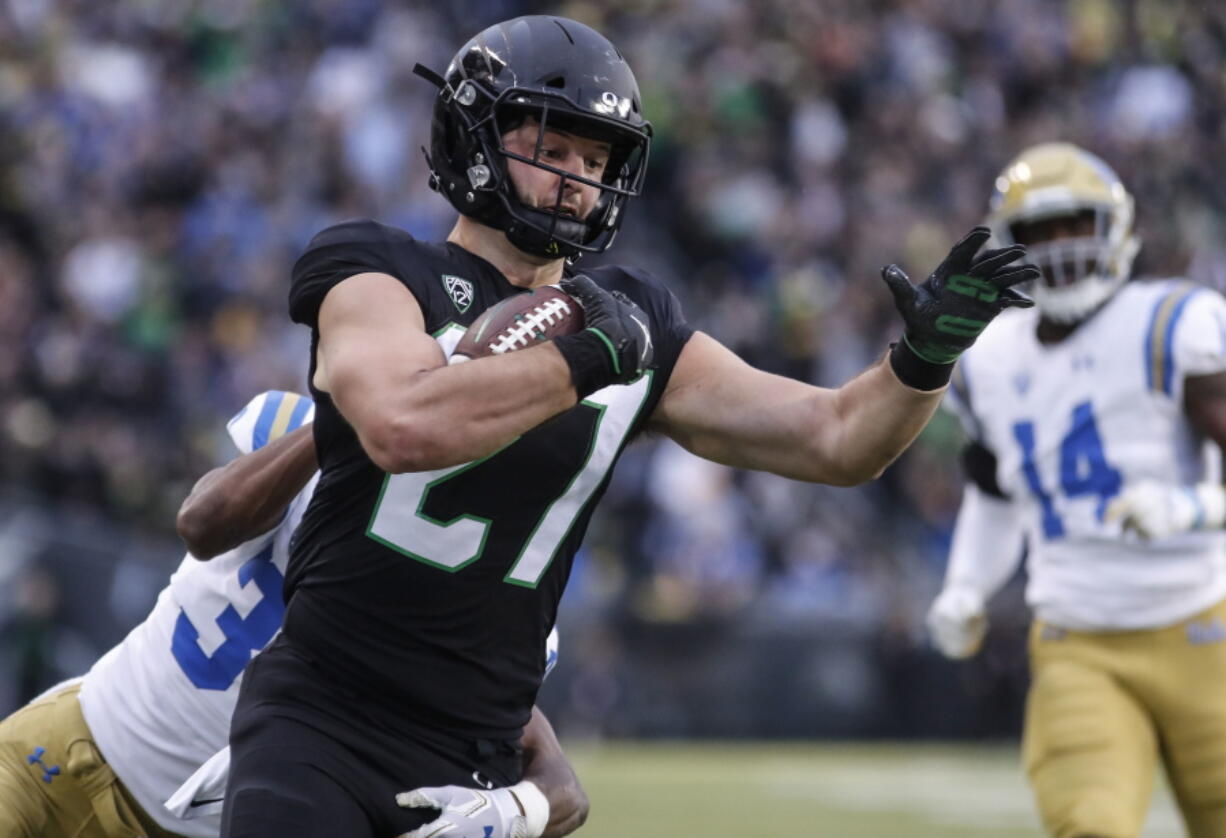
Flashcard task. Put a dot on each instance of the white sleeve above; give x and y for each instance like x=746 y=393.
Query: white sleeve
x=268 y=416
x=1200 y=335
x=987 y=543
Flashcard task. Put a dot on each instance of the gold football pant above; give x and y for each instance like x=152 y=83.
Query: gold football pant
x=54 y=783
x=1104 y=707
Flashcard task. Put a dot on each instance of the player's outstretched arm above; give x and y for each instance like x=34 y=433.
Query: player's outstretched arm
x=247 y=496
x=548 y=802
x=413 y=412
x=1161 y=510
x=721 y=408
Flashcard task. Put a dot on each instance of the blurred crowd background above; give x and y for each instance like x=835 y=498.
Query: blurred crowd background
x=162 y=163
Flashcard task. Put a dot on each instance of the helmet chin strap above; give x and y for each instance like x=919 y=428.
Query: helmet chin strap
x=542 y=233
x=523 y=232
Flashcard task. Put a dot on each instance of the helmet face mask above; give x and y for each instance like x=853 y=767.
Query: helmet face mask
x=622 y=178
x=1075 y=218
x=570 y=79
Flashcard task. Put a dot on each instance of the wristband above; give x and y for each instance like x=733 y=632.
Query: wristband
x=1211 y=506
x=535 y=806
x=914 y=371
x=590 y=358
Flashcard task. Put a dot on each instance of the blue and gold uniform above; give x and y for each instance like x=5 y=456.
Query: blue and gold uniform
x=1071 y=407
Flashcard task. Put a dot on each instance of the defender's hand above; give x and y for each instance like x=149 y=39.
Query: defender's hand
x=520 y=811
x=615 y=346
x=957 y=622
x=1160 y=510
x=948 y=310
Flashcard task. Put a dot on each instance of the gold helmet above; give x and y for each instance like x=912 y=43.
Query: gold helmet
x=1084 y=264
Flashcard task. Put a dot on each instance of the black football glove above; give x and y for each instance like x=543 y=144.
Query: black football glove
x=615 y=345
x=947 y=311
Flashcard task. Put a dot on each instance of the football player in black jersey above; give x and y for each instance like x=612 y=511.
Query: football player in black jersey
x=427 y=570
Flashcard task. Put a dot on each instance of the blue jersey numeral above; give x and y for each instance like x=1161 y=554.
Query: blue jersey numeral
x=1053 y=527
x=1084 y=469
x=244 y=635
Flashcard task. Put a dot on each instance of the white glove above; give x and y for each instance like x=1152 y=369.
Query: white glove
x=957 y=622
x=1160 y=510
x=477 y=813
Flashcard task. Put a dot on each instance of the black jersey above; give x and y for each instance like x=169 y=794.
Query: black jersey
x=435 y=591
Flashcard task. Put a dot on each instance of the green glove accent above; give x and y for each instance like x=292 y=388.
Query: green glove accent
x=946 y=312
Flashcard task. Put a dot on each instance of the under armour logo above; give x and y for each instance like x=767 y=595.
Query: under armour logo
x=1021 y=382
x=1206 y=632
x=49 y=772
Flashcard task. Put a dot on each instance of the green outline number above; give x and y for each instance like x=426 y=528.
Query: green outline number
x=451 y=545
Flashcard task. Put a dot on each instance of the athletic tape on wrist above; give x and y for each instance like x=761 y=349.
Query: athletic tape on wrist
x=1211 y=501
x=916 y=372
x=590 y=358
x=535 y=806
x=1198 y=520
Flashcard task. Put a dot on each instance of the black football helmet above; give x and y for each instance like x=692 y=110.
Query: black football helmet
x=568 y=76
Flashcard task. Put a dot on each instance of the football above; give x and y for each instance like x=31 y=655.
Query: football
x=519 y=322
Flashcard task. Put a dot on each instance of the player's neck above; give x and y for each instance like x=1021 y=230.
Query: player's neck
x=520 y=269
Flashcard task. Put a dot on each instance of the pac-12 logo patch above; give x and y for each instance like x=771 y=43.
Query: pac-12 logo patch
x=460 y=290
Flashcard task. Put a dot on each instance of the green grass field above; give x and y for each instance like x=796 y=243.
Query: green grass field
x=684 y=790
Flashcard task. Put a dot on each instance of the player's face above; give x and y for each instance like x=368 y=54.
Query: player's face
x=569 y=152
x=1064 y=265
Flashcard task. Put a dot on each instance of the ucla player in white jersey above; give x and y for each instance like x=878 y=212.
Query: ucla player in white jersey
x=98 y=757
x=1097 y=421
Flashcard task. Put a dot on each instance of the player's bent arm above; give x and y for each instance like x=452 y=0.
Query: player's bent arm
x=1155 y=509
x=986 y=550
x=987 y=543
x=546 y=765
x=547 y=802
x=1205 y=404
x=247 y=496
x=411 y=411
x=721 y=408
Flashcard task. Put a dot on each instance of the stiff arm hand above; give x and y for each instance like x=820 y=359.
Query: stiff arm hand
x=946 y=312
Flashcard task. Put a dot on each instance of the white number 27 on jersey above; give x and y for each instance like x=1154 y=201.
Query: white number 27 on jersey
x=451 y=545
